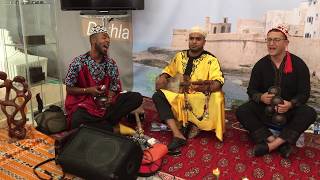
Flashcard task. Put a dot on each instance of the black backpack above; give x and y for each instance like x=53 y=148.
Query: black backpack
x=52 y=120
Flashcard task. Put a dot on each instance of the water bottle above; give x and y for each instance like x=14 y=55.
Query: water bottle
x=316 y=127
x=300 y=141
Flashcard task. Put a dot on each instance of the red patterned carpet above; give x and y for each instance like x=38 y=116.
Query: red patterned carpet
x=233 y=156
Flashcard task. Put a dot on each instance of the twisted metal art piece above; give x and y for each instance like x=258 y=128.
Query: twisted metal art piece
x=11 y=106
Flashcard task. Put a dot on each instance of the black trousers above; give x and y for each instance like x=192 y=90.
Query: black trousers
x=163 y=106
x=125 y=103
x=252 y=116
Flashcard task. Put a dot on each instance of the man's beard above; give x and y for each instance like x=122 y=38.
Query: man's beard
x=196 y=50
x=100 y=50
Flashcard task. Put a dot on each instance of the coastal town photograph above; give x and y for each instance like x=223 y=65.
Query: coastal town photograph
x=238 y=45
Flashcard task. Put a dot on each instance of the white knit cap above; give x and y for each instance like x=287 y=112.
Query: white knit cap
x=198 y=29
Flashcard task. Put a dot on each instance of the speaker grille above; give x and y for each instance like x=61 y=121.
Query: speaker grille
x=102 y=152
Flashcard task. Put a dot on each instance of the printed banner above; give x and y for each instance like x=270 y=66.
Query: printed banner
x=236 y=36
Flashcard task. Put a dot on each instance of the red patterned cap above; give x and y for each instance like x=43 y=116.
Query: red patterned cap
x=282 y=29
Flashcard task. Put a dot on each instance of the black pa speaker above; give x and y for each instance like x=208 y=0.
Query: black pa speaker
x=93 y=153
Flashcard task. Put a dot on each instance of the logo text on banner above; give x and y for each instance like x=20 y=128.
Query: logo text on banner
x=117 y=29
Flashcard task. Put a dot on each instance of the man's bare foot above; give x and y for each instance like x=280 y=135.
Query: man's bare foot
x=271 y=138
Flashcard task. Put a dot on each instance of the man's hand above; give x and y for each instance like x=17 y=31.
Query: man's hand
x=266 y=98
x=161 y=82
x=206 y=86
x=95 y=90
x=201 y=88
x=282 y=108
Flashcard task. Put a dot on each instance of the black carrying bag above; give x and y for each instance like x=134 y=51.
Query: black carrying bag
x=98 y=154
x=52 y=120
x=93 y=153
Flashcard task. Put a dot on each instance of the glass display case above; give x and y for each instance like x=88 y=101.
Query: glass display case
x=28 y=47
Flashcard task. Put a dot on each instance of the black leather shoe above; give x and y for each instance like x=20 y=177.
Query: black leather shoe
x=175 y=152
x=285 y=150
x=185 y=130
x=176 y=143
x=261 y=149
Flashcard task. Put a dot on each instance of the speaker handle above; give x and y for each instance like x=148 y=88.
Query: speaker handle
x=45 y=171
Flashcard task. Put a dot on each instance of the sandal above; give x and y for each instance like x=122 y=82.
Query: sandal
x=185 y=130
x=261 y=149
x=175 y=152
x=285 y=150
x=176 y=143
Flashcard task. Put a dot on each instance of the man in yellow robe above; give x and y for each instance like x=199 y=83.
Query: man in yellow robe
x=203 y=103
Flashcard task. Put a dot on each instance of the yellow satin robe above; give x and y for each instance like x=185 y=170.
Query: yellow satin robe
x=206 y=67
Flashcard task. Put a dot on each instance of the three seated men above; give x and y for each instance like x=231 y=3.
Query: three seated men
x=198 y=102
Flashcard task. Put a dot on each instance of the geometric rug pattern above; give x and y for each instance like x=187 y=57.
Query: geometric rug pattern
x=233 y=157
x=18 y=157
